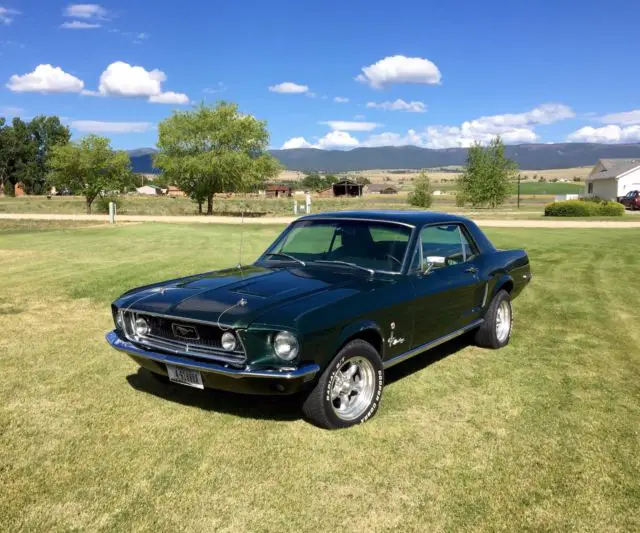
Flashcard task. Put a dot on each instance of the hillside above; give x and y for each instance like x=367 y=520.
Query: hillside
x=528 y=157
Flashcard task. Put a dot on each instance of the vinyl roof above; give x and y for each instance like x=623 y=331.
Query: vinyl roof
x=406 y=217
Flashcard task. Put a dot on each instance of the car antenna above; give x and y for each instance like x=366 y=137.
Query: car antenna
x=241 y=243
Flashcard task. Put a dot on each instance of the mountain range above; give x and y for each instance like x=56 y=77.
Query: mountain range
x=528 y=157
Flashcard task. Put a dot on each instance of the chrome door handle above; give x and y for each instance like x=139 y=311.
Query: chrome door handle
x=472 y=270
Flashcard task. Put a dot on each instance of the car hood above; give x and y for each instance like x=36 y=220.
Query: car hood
x=238 y=296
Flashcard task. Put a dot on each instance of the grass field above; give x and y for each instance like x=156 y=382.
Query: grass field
x=540 y=436
x=140 y=205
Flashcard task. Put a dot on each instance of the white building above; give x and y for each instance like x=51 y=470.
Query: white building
x=149 y=190
x=612 y=178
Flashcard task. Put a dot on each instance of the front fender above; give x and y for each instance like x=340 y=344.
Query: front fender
x=356 y=329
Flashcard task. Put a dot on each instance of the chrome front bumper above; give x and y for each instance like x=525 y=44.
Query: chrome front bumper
x=265 y=381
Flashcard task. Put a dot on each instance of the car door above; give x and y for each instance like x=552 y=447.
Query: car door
x=448 y=289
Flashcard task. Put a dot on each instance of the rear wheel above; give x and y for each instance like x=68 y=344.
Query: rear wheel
x=495 y=331
x=349 y=390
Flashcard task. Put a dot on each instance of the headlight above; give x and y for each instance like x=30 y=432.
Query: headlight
x=141 y=326
x=119 y=319
x=286 y=346
x=228 y=341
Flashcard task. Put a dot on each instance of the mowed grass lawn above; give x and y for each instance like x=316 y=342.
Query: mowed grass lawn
x=540 y=436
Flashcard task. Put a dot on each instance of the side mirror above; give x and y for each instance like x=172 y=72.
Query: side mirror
x=434 y=261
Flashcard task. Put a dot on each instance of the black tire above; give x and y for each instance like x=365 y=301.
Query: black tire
x=487 y=334
x=319 y=408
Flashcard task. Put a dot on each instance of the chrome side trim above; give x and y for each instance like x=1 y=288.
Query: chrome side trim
x=429 y=345
x=320 y=217
x=305 y=372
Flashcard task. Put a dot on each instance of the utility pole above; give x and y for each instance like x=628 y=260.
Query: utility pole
x=518 y=191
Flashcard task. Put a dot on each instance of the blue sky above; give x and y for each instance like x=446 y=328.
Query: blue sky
x=331 y=74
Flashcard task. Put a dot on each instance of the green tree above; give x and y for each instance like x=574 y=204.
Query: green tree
x=421 y=194
x=362 y=180
x=46 y=132
x=210 y=150
x=89 y=167
x=314 y=182
x=488 y=174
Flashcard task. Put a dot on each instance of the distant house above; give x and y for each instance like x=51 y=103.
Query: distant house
x=347 y=188
x=380 y=188
x=277 y=190
x=172 y=190
x=149 y=190
x=438 y=193
x=612 y=178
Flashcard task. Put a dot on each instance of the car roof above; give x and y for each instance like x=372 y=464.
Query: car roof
x=414 y=218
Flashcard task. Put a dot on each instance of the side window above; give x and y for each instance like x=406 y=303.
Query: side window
x=444 y=245
x=590 y=188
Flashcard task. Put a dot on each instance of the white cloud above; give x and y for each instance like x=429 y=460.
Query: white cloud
x=310 y=94
x=7 y=15
x=400 y=105
x=169 y=98
x=337 y=140
x=341 y=100
x=295 y=142
x=140 y=37
x=45 y=79
x=85 y=11
x=122 y=79
x=80 y=25
x=347 y=125
x=359 y=117
x=611 y=134
x=289 y=87
x=626 y=118
x=97 y=126
x=217 y=88
x=334 y=140
x=400 y=69
x=11 y=111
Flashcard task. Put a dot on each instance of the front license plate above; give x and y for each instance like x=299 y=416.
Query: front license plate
x=191 y=378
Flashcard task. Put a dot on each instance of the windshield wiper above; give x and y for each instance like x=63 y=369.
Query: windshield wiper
x=282 y=254
x=345 y=263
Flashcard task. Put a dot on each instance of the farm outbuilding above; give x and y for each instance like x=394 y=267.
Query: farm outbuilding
x=277 y=190
x=149 y=190
x=347 y=188
x=380 y=188
x=613 y=178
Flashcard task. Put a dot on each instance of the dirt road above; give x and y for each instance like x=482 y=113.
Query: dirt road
x=487 y=223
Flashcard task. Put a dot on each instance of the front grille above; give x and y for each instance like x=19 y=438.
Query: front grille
x=192 y=339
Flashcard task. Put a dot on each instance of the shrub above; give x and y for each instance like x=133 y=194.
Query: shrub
x=581 y=208
x=460 y=200
x=101 y=203
x=421 y=195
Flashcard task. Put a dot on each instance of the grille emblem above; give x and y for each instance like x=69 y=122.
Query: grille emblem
x=185 y=332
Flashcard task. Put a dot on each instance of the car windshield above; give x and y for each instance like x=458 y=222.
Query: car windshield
x=358 y=244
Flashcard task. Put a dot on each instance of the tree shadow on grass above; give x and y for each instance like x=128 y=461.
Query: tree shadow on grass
x=283 y=408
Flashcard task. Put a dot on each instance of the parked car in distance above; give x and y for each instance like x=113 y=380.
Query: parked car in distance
x=631 y=200
x=336 y=300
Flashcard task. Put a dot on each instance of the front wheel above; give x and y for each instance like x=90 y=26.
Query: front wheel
x=495 y=331
x=349 y=390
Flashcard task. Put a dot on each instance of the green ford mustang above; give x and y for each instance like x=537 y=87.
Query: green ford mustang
x=333 y=302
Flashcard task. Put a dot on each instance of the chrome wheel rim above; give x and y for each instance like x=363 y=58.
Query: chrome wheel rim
x=503 y=321
x=352 y=388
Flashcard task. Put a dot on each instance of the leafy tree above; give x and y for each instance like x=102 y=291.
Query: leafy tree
x=211 y=150
x=487 y=176
x=89 y=166
x=362 y=180
x=421 y=195
x=314 y=182
x=46 y=132
x=25 y=148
